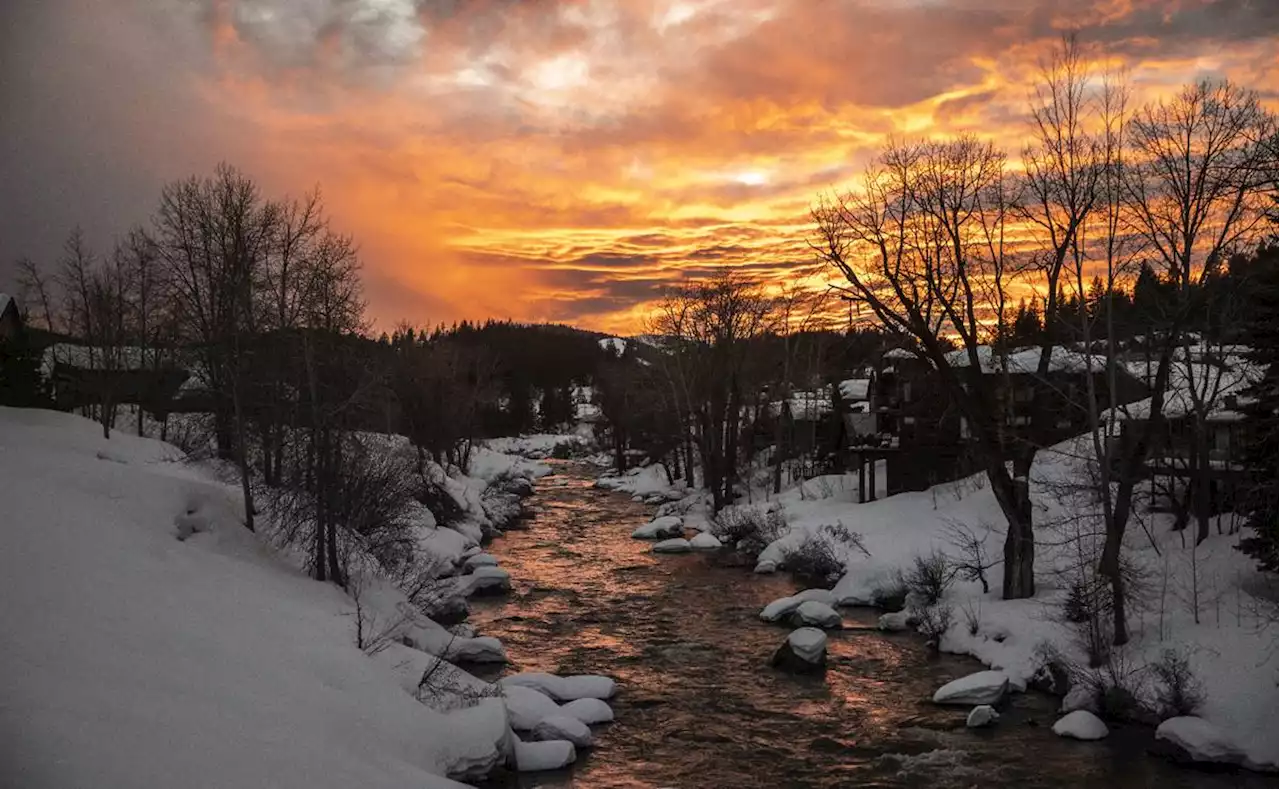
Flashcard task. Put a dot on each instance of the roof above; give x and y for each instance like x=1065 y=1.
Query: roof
x=5 y=301
x=899 y=353
x=1206 y=385
x=855 y=388
x=1027 y=360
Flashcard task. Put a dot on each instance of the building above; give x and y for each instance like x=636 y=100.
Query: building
x=10 y=317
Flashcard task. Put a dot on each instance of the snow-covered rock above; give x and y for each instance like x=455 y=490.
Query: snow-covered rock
x=984 y=687
x=896 y=621
x=704 y=541
x=1080 y=725
x=805 y=650
x=563 y=727
x=551 y=755
x=783 y=606
x=673 y=545
x=766 y=566
x=660 y=528
x=981 y=715
x=527 y=706
x=1079 y=697
x=589 y=711
x=484 y=580
x=480 y=560
x=816 y=614
x=571 y=688
x=1195 y=739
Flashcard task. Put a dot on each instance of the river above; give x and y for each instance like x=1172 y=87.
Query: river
x=699 y=706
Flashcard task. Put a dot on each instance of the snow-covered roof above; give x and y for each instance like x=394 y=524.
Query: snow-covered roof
x=855 y=389
x=1027 y=360
x=899 y=353
x=805 y=404
x=5 y=301
x=1209 y=385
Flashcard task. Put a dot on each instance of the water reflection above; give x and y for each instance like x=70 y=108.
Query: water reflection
x=700 y=708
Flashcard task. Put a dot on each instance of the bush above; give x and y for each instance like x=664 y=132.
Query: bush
x=929 y=577
x=934 y=621
x=1178 y=691
x=814 y=561
x=748 y=529
x=563 y=450
x=892 y=597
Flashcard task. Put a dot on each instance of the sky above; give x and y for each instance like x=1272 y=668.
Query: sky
x=542 y=160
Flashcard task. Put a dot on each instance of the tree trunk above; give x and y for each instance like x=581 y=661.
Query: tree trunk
x=1014 y=496
x=242 y=455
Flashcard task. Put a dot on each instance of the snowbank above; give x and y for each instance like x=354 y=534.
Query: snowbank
x=134 y=659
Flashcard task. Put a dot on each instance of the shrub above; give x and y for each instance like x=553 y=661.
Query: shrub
x=973 y=617
x=929 y=577
x=814 y=561
x=748 y=529
x=934 y=621
x=1178 y=691
x=563 y=450
x=892 y=596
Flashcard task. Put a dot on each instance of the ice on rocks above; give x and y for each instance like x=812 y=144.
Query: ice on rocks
x=659 y=528
x=981 y=715
x=1080 y=725
x=551 y=755
x=480 y=560
x=571 y=688
x=527 y=706
x=673 y=545
x=984 y=687
x=563 y=727
x=1198 y=740
x=589 y=711
x=816 y=614
x=785 y=605
x=705 y=541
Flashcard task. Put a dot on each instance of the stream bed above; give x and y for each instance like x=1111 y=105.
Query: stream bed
x=700 y=708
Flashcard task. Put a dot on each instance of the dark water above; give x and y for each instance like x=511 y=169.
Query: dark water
x=699 y=706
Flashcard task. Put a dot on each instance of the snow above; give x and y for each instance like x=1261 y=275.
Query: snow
x=812 y=612
x=484 y=579
x=527 y=706
x=478 y=560
x=808 y=644
x=614 y=345
x=704 y=541
x=667 y=526
x=896 y=621
x=1080 y=725
x=537 y=756
x=563 y=727
x=537 y=446
x=134 y=659
x=855 y=388
x=984 y=687
x=1079 y=697
x=980 y=716
x=899 y=353
x=640 y=481
x=673 y=545
x=1027 y=360
x=589 y=710
x=571 y=688
x=784 y=606
x=1199 y=740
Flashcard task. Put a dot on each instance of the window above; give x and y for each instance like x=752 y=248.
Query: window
x=906 y=391
x=1222 y=439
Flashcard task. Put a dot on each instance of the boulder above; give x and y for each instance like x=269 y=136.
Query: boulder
x=766 y=566
x=563 y=727
x=897 y=621
x=704 y=541
x=571 y=688
x=485 y=580
x=479 y=560
x=1080 y=725
x=526 y=706
x=588 y=711
x=982 y=715
x=784 y=606
x=1188 y=738
x=552 y=755
x=984 y=687
x=816 y=614
x=804 y=651
x=673 y=545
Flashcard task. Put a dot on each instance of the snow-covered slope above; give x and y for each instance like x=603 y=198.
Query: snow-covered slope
x=131 y=658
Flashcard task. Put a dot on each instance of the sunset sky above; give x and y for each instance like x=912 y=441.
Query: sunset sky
x=535 y=159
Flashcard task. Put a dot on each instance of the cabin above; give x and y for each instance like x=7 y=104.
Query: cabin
x=923 y=438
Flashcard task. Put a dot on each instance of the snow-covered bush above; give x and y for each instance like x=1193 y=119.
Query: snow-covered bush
x=891 y=595
x=933 y=621
x=1178 y=691
x=814 y=561
x=748 y=529
x=930 y=576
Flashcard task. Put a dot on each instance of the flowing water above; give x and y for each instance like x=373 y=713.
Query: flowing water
x=699 y=706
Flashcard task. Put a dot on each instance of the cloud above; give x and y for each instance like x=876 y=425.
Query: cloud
x=539 y=159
